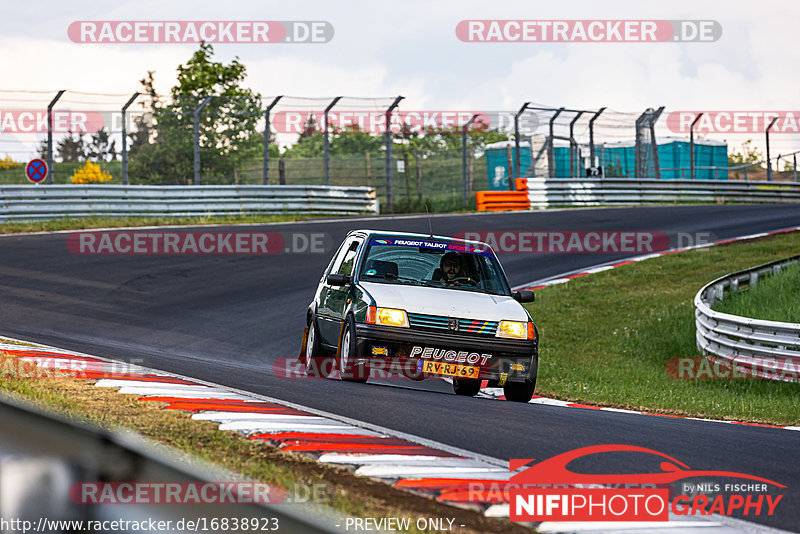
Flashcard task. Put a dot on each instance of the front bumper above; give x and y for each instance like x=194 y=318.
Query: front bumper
x=499 y=359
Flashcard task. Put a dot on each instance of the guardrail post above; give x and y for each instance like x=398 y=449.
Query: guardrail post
x=125 y=139
x=196 y=116
x=326 y=143
x=389 y=196
x=464 y=177
x=266 y=137
x=50 y=136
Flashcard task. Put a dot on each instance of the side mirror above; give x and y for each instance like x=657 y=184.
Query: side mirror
x=338 y=279
x=524 y=296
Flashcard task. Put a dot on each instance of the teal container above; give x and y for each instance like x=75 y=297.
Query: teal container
x=497 y=170
x=618 y=161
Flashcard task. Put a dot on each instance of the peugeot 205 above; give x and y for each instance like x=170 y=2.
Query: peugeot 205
x=429 y=306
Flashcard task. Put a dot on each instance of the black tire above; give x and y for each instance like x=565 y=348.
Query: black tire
x=349 y=371
x=519 y=391
x=316 y=361
x=466 y=386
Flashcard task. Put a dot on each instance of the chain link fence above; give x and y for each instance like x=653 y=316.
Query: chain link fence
x=537 y=140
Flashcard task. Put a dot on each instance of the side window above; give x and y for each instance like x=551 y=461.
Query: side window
x=334 y=263
x=349 y=259
x=343 y=264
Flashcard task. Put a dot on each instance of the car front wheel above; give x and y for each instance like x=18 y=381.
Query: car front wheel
x=316 y=361
x=348 y=369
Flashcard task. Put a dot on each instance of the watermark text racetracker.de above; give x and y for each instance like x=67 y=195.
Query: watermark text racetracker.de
x=584 y=241
x=588 y=31
x=199 y=31
x=207 y=242
x=709 y=368
x=31 y=121
x=733 y=122
x=402 y=121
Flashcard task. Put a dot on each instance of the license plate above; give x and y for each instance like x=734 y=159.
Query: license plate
x=451 y=369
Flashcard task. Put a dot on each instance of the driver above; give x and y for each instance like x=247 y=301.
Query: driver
x=450 y=266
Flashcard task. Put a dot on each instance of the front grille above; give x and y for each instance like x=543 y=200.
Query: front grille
x=466 y=326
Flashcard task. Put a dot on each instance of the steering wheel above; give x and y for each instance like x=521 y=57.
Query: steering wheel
x=463 y=279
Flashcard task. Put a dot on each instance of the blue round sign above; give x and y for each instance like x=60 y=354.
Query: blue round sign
x=36 y=170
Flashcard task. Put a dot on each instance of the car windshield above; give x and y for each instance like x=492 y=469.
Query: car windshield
x=441 y=264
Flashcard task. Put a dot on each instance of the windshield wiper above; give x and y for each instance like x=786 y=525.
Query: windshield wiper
x=392 y=277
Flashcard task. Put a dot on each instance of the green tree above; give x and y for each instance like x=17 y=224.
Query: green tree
x=342 y=143
x=143 y=133
x=747 y=154
x=42 y=149
x=100 y=147
x=228 y=133
x=71 y=148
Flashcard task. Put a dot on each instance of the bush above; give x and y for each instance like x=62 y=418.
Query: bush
x=8 y=163
x=91 y=173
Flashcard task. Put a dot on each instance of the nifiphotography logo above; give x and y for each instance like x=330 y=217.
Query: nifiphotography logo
x=550 y=491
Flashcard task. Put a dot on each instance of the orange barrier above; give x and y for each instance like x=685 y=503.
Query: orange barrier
x=502 y=200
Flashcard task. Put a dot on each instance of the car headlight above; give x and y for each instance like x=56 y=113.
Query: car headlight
x=512 y=329
x=391 y=317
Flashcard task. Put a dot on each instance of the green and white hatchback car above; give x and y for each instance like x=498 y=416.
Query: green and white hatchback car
x=424 y=306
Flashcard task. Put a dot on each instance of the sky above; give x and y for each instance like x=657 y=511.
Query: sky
x=383 y=49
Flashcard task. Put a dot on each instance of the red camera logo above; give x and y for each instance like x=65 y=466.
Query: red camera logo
x=595 y=501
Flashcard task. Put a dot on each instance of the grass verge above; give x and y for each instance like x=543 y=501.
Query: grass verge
x=332 y=486
x=82 y=223
x=606 y=338
x=774 y=298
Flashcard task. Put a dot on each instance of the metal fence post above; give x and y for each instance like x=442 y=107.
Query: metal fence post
x=769 y=163
x=125 y=139
x=464 y=177
x=551 y=152
x=653 y=120
x=516 y=138
x=691 y=146
x=50 y=136
x=196 y=114
x=794 y=166
x=326 y=142
x=591 y=135
x=389 y=199
x=572 y=144
x=266 y=138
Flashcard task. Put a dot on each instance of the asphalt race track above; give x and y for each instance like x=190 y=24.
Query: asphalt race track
x=227 y=318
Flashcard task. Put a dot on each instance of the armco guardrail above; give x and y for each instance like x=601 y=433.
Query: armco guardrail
x=36 y=202
x=43 y=456
x=545 y=192
x=769 y=349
